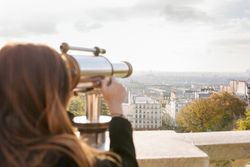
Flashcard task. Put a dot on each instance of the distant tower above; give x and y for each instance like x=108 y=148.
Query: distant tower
x=173 y=108
x=173 y=96
x=129 y=97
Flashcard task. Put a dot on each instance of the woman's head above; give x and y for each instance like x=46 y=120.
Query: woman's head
x=34 y=91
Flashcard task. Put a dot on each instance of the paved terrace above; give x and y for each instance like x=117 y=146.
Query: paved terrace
x=208 y=149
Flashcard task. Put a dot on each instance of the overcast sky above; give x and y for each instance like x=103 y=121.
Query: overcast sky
x=154 y=35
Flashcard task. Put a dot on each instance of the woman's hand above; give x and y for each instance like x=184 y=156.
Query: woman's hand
x=114 y=94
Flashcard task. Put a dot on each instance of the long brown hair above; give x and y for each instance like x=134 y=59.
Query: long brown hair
x=34 y=91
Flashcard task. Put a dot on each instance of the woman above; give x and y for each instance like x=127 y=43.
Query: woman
x=35 y=130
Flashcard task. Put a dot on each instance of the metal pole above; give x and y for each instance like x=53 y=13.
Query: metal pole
x=96 y=50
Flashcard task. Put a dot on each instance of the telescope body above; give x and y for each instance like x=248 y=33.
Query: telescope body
x=100 y=66
x=81 y=69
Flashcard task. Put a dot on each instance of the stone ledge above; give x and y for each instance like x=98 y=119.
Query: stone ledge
x=215 y=138
x=174 y=162
x=167 y=148
x=231 y=148
x=213 y=149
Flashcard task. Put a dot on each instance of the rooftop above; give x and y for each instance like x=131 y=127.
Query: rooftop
x=143 y=99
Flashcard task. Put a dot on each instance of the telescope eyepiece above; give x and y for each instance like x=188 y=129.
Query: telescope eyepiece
x=99 y=51
x=64 y=47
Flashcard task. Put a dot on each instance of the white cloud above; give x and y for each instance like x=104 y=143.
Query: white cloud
x=146 y=9
x=86 y=27
x=185 y=13
x=166 y=34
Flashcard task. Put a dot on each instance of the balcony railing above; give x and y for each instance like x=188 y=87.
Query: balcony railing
x=208 y=149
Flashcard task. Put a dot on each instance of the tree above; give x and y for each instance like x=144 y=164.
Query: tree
x=168 y=123
x=197 y=116
x=104 y=107
x=218 y=112
x=244 y=123
x=76 y=106
x=232 y=109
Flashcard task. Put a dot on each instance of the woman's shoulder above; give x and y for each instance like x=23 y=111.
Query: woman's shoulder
x=105 y=163
x=66 y=161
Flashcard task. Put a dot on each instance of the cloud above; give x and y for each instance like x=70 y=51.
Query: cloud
x=30 y=18
x=97 y=18
x=185 y=13
x=214 y=13
x=236 y=9
x=86 y=27
x=45 y=20
x=235 y=25
x=40 y=26
x=28 y=28
x=173 y=10
x=232 y=42
x=178 y=11
x=23 y=25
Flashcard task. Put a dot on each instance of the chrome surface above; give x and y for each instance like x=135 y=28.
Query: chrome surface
x=101 y=66
x=93 y=106
x=93 y=133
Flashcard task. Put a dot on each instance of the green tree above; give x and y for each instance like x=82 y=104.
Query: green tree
x=197 y=116
x=76 y=105
x=218 y=112
x=244 y=123
x=168 y=122
x=229 y=109
x=104 y=107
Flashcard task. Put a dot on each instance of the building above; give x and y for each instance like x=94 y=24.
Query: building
x=143 y=112
x=174 y=106
x=204 y=93
x=239 y=88
x=235 y=87
x=160 y=95
x=178 y=102
x=189 y=94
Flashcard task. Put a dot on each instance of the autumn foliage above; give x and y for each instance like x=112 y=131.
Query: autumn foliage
x=218 y=112
x=244 y=123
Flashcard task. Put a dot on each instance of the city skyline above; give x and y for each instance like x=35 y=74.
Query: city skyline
x=154 y=35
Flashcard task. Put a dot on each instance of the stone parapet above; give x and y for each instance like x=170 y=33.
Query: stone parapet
x=167 y=148
x=208 y=149
x=231 y=148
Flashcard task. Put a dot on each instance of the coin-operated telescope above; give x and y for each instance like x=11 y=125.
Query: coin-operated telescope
x=82 y=68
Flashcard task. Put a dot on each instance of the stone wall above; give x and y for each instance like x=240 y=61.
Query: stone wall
x=208 y=149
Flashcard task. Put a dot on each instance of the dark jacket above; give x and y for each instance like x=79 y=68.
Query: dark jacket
x=121 y=143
